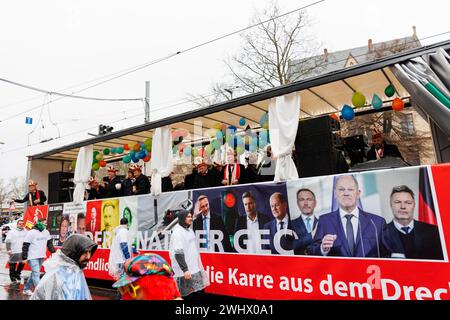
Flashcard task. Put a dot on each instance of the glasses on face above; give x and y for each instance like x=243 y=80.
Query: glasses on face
x=130 y=289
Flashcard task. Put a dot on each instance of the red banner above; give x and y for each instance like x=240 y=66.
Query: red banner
x=33 y=214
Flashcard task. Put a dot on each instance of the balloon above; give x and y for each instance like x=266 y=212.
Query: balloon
x=148 y=141
x=175 y=149
x=132 y=152
x=99 y=157
x=215 y=144
x=187 y=151
x=73 y=164
x=95 y=166
x=136 y=147
x=201 y=152
x=134 y=159
x=239 y=150
x=126 y=159
x=195 y=152
x=334 y=116
x=264 y=119
x=113 y=150
x=147 y=158
x=148 y=147
x=219 y=135
x=142 y=154
x=181 y=147
x=358 y=100
x=126 y=147
x=389 y=91
x=242 y=121
x=398 y=104
x=106 y=151
x=217 y=126
x=377 y=103
x=253 y=147
x=224 y=127
x=209 y=150
x=102 y=163
x=119 y=150
x=232 y=129
x=228 y=137
x=347 y=112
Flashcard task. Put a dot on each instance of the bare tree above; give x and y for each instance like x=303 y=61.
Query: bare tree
x=17 y=187
x=277 y=45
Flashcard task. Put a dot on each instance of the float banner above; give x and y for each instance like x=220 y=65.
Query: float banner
x=352 y=236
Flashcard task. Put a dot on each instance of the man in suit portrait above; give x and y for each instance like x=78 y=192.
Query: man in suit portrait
x=252 y=222
x=207 y=222
x=282 y=238
x=307 y=222
x=348 y=231
x=405 y=237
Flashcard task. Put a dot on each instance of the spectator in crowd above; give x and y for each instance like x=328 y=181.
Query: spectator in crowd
x=205 y=177
x=141 y=185
x=381 y=149
x=95 y=191
x=233 y=172
x=64 y=278
x=14 y=243
x=34 y=250
x=34 y=197
x=113 y=186
x=127 y=183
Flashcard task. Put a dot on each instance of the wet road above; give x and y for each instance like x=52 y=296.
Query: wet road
x=10 y=291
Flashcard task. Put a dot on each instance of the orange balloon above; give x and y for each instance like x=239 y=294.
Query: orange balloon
x=102 y=163
x=136 y=147
x=398 y=104
x=334 y=116
x=126 y=146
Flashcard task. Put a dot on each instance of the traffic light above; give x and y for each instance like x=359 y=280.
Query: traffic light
x=104 y=129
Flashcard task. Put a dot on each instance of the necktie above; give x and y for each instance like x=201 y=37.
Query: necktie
x=405 y=229
x=350 y=236
x=308 y=224
x=281 y=225
x=205 y=228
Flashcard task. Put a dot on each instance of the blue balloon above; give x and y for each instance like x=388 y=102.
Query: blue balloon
x=242 y=121
x=377 y=103
x=219 y=135
x=264 y=119
x=141 y=154
x=232 y=129
x=187 y=151
x=347 y=112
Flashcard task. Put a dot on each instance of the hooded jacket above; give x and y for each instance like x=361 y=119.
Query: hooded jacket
x=64 y=278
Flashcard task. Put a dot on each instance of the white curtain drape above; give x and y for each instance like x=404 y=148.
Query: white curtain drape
x=161 y=163
x=82 y=172
x=284 y=115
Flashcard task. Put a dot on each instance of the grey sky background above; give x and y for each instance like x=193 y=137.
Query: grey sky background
x=57 y=44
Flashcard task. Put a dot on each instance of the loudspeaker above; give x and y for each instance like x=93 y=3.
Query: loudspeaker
x=60 y=187
x=316 y=148
x=355 y=148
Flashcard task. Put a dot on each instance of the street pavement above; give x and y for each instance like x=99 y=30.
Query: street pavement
x=10 y=291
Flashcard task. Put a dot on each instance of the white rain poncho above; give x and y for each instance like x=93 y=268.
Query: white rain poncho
x=64 y=278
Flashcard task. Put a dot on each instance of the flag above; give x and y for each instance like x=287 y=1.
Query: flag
x=426 y=209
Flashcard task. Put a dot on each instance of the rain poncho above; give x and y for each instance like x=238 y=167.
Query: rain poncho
x=116 y=255
x=64 y=278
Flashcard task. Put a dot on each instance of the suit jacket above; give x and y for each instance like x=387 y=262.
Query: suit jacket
x=427 y=244
x=390 y=150
x=110 y=187
x=42 y=198
x=142 y=185
x=370 y=229
x=241 y=224
x=299 y=227
x=215 y=223
x=287 y=242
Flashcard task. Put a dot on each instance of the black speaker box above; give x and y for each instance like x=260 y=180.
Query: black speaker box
x=60 y=187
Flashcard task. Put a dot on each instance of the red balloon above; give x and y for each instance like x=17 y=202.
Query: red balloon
x=147 y=158
x=126 y=147
x=398 y=104
x=102 y=163
x=334 y=116
x=201 y=152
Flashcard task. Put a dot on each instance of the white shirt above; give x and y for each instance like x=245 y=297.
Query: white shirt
x=120 y=236
x=400 y=226
x=15 y=237
x=285 y=223
x=38 y=243
x=354 y=221
x=184 y=241
x=311 y=221
x=254 y=238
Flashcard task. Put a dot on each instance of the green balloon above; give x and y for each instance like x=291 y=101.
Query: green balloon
x=239 y=150
x=95 y=166
x=389 y=91
x=148 y=147
x=194 y=152
x=106 y=151
x=215 y=144
x=126 y=159
x=148 y=141
x=119 y=150
x=74 y=163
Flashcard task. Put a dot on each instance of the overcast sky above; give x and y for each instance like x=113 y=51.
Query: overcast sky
x=57 y=44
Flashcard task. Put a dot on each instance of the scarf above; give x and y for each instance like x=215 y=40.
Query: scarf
x=235 y=174
x=30 y=197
